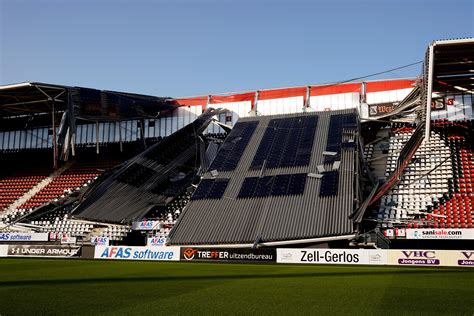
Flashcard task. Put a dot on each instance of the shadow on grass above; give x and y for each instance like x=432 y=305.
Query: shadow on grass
x=226 y=277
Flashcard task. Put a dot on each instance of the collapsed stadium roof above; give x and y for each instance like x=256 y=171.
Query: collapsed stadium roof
x=277 y=178
x=150 y=179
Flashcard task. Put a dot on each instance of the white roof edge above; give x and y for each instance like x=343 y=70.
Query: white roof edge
x=454 y=41
x=16 y=85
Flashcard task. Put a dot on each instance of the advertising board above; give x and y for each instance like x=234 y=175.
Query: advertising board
x=463 y=258
x=457 y=258
x=407 y=257
x=13 y=237
x=228 y=254
x=100 y=241
x=68 y=240
x=439 y=233
x=382 y=108
x=137 y=253
x=146 y=225
x=43 y=251
x=446 y=258
x=416 y=257
x=156 y=241
x=331 y=256
x=3 y=250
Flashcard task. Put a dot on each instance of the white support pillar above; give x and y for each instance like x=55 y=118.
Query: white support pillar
x=308 y=97
x=255 y=102
x=55 y=144
x=120 y=135
x=429 y=92
x=97 y=136
x=73 y=145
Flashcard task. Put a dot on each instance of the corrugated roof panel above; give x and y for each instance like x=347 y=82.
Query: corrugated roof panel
x=273 y=218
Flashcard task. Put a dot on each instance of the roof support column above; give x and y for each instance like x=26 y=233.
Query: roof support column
x=55 y=144
x=142 y=132
x=120 y=135
x=97 y=136
x=208 y=102
x=429 y=92
x=73 y=145
x=307 y=102
x=255 y=108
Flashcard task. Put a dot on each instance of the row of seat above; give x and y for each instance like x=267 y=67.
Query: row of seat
x=168 y=216
x=71 y=180
x=16 y=185
x=436 y=189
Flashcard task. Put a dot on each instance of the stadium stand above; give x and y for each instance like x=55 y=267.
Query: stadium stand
x=436 y=189
x=77 y=176
x=340 y=162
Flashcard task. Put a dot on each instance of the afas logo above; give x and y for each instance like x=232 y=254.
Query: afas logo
x=146 y=224
x=189 y=253
x=157 y=241
x=4 y=236
x=100 y=241
x=116 y=252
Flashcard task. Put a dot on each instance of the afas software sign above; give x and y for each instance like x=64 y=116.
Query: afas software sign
x=228 y=254
x=24 y=237
x=331 y=256
x=146 y=225
x=137 y=253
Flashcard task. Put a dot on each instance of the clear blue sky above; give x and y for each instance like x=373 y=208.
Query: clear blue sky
x=178 y=48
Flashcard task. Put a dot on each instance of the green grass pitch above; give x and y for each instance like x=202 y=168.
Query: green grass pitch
x=38 y=287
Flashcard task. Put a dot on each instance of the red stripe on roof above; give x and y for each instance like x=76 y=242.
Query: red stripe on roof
x=375 y=86
x=282 y=93
x=239 y=97
x=335 y=89
x=388 y=85
x=192 y=101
